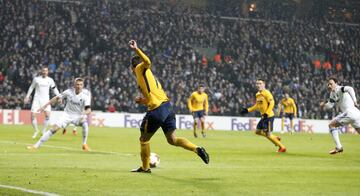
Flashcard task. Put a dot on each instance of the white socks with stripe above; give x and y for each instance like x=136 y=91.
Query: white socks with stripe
x=45 y=137
x=335 y=134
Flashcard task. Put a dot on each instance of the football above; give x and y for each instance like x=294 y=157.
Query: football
x=154 y=160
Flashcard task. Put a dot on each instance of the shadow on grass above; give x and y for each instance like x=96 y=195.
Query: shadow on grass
x=202 y=183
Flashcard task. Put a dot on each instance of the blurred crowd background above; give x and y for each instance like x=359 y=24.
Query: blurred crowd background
x=294 y=45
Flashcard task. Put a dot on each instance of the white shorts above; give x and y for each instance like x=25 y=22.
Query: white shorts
x=38 y=103
x=67 y=119
x=349 y=117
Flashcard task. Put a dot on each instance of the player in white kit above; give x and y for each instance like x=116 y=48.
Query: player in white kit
x=345 y=98
x=42 y=85
x=76 y=110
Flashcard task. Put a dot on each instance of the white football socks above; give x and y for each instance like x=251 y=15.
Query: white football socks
x=85 y=132
x=335 y=134
x=46 y=122
x=34 y=124
x=45 y=137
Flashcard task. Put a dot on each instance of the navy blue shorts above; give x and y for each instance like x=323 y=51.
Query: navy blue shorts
x=163 y=117
x=199 y=114
x=289 y=115
x=266 y=124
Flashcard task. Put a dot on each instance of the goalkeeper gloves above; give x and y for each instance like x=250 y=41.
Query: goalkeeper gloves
x=264 y=115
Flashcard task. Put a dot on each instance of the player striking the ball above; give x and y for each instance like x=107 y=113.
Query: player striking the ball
x=160 y=112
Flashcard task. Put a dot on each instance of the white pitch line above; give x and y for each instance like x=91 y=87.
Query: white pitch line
x=28 y=190
x=67 y=148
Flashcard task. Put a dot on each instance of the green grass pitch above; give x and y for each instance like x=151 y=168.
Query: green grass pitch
x=241 y=163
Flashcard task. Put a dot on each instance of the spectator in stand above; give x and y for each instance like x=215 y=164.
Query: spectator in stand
x=86 y=39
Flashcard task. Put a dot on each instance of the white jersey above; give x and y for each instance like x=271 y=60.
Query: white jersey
x=76 y=102
x=344 y=97
x=42 y=88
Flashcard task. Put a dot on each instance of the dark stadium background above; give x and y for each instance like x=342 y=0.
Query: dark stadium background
x=293 y=44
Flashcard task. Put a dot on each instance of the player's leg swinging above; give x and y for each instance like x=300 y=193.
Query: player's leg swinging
x=264 y=128
x=45 y=137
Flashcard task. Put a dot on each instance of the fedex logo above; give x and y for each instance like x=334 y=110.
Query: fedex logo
x=301 y=126
x=240 y=126
x=188 y=124
x=131 y=122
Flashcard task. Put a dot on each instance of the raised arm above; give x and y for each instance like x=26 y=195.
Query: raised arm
x=146 y=63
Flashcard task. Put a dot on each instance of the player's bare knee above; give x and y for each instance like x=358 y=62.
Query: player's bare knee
x=141 y=139
x=171 y=140
x=170 y=137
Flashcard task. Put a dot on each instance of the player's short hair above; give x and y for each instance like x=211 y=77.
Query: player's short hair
x=44 y=66
x=260 y=79
x=202 y=85
x=135 y=60
x=333 y=78
x=79 y=80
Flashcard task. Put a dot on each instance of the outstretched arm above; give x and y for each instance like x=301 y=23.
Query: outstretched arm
x=53 y=100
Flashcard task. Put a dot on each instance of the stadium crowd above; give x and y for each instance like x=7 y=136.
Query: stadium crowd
x=90 y=38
